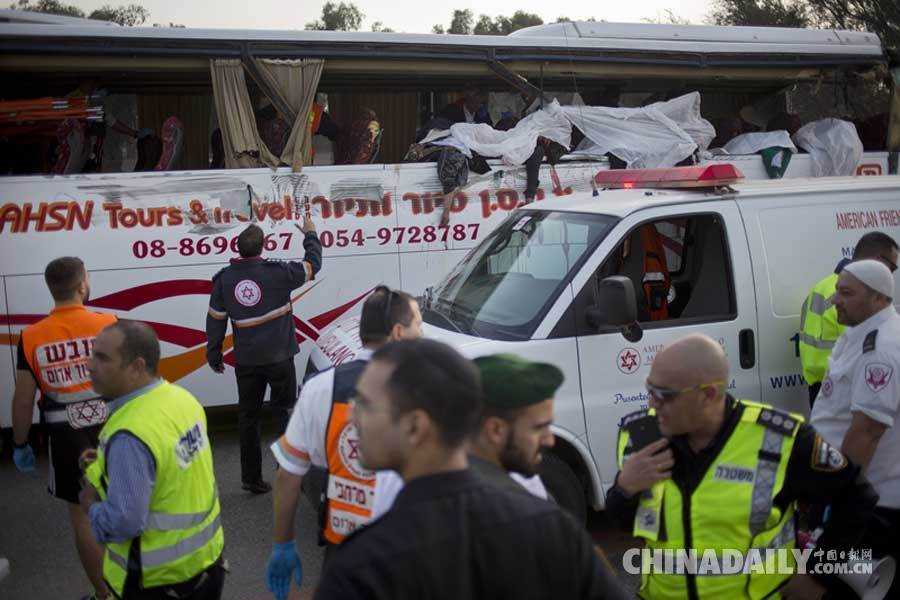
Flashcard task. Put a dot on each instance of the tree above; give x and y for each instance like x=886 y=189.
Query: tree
x=670 y=18
x=437 y=29
x=764 y=13
x=338 y=17
x=50 y=7
x=486 y=26
x=461 y=22
x=563 y=20
x=129 y=16
x=879 y=17
x=500 y=25
x=378 y=26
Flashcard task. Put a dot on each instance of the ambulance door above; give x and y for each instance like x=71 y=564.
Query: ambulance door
x=707 y=288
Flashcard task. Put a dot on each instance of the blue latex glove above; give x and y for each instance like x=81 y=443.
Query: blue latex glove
x=283 y=562
x=24 y=459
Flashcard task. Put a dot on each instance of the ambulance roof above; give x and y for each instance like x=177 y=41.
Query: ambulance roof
x=621 y=203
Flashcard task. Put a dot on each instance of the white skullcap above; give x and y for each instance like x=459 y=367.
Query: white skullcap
x=874 y=275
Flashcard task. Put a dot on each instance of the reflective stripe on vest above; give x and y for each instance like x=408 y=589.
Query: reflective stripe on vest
x=183 y=534
x=736 y=511
x=819 y=329
x=351 y=487
x=57 y=349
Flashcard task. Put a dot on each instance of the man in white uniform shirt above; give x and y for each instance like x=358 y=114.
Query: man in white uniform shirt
x=320 y=434
x=857 y=406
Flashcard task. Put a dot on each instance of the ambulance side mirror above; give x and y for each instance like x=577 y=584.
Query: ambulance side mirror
x=615 y=307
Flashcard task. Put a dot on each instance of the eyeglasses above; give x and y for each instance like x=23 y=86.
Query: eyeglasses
x=888 y=262
x=663 y=394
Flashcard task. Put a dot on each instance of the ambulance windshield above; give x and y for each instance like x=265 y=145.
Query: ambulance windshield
x=505 y=286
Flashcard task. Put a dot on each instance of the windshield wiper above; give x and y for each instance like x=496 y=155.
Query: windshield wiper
x=445 y=318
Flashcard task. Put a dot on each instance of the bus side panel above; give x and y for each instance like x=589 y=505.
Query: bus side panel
x=152 y=242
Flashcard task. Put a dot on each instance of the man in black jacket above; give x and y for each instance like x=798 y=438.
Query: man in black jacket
x=255 y=293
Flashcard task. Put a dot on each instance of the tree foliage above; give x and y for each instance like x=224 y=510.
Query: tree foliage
x=505 y=25
x=379 y=26
x=762 y=13
x=129 y=16
x=50 y=7
x=881 y=17
x=462 y=22
x=338 y=17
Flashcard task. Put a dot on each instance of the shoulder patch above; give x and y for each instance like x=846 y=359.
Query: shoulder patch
x=632 y=417
x=826 y=457
x=869 y=342
x=778 y=420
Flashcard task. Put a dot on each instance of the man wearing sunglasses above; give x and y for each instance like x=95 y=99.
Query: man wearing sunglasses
x=819 y=326
x=321 y=435
x=857 y=407
x=701 y=470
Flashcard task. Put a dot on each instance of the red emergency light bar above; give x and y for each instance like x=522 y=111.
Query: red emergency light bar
x=704 y=176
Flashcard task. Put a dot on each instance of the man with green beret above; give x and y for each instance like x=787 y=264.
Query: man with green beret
x=514 y=430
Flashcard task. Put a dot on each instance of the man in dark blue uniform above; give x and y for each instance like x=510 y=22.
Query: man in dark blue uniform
x=255 y=293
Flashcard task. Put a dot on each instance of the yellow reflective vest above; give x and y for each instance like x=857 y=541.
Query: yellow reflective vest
x=183 y=534
x=819 y=329
x=731 y=509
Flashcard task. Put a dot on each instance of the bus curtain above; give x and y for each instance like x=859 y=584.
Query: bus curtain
x=243 y=147
x=294 y=80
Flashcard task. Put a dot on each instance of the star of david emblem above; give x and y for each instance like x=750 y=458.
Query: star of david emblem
x=86 y=414
x=354 y=449
x=628 y=361
x=247 y=292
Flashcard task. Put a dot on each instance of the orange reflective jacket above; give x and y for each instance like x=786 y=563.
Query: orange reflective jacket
x=57 y=349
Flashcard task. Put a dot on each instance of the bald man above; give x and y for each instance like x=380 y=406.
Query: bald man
x=701 y=470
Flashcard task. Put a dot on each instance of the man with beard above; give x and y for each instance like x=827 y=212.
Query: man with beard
x=857 y=407
x=514 y=430
x=52 y=357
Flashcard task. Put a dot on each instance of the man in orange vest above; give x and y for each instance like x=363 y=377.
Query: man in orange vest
x=320 y=434
x=52 y=357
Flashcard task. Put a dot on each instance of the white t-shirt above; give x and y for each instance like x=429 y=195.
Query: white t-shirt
x=303 y=442
x=389 y=483
x=865 y=377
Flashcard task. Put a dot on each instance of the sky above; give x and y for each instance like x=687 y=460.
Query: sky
x=412 y=16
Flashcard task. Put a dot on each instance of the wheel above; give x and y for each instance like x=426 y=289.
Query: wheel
x=564 y=485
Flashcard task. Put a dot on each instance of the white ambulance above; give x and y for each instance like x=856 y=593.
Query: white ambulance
x=564 y=282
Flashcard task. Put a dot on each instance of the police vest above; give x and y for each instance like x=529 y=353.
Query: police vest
x=57 y=349
x=732 y=508
x=350 y=489
x=819 y=329
x=183 y=534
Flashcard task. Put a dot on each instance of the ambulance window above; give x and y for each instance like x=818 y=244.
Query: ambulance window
x=506 y=285
x=680 y=270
